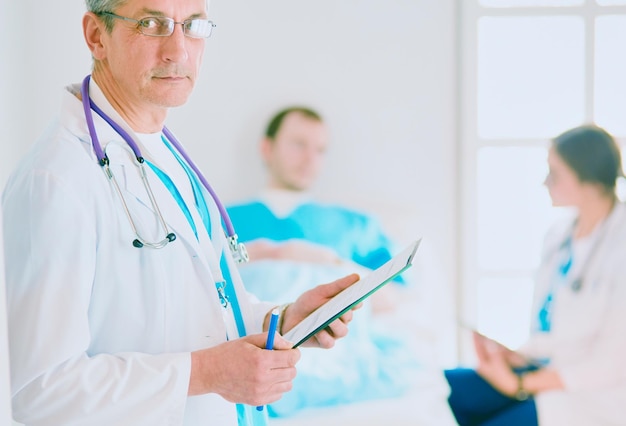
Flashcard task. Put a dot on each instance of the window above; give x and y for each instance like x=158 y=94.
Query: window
x=530 y=69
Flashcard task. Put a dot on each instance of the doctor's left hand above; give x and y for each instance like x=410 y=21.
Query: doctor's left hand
x=310 y=301
x=242 y=371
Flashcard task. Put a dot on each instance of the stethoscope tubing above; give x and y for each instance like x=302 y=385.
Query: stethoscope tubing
x=88 y=105
x=576 y=283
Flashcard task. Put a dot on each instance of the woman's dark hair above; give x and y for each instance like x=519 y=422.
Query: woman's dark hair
x=274 y=125
x=592 y=153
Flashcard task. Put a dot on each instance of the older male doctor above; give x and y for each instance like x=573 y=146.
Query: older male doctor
x=124 y=303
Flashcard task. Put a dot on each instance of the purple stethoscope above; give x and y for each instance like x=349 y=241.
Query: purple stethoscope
x=237 y=249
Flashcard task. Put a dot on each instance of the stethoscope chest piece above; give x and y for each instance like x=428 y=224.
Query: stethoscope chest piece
x=121 y=154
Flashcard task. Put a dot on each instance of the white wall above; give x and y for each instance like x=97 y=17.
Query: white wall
x=8 y=10
x=383 y=73
x=5 y=400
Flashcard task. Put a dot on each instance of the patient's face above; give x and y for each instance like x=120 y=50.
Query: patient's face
x=294 y=158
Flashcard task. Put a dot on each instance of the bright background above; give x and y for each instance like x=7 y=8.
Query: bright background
x=440 y=112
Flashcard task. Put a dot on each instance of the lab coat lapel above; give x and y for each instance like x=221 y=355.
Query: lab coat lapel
x=131 y=184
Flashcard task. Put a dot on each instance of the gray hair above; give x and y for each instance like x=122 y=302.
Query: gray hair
x=100 y=6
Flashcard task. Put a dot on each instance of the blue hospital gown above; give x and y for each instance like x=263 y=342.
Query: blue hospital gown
x=353 y=235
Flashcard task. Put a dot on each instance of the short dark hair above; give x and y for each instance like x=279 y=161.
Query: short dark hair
x=274 y=125
x=592 y=153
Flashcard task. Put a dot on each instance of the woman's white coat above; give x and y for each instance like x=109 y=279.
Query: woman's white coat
x=587 y=342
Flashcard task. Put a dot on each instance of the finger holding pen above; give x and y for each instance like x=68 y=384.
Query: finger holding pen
x=267 y=376
x=271 y=332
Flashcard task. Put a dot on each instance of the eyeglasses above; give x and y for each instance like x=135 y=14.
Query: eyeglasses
x=160 y=26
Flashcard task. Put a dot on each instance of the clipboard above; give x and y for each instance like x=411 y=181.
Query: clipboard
x=343 y=301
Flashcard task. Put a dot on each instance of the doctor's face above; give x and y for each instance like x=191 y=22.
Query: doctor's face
x=563 y=184
x=146 y=73
x=294 y=157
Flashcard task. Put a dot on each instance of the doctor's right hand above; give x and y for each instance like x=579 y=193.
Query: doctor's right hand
x=242 y=371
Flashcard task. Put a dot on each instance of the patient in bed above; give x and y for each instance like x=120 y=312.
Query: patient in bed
x=295 y=242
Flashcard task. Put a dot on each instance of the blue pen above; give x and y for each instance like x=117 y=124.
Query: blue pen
x=269 y=345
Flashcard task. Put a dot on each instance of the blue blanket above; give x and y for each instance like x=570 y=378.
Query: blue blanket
x=368 y=363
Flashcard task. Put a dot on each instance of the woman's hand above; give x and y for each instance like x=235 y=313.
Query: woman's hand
x=485 y=344
x=493 y=364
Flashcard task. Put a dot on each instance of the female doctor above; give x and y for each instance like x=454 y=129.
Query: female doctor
x=124 y=302
x=571 y=371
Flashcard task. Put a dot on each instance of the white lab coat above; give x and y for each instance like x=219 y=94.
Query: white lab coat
x=587 y=342
x=101 y=332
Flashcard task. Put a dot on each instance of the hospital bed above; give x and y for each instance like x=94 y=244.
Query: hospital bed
x=424 y=315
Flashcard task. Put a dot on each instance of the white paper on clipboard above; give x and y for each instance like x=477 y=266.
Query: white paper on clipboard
x=345 y=300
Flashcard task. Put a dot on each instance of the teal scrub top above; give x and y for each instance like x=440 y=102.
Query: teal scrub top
x=353 y=235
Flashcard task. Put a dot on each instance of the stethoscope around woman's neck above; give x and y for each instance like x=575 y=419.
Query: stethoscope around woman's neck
x=237 y=249
x=568 y=243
